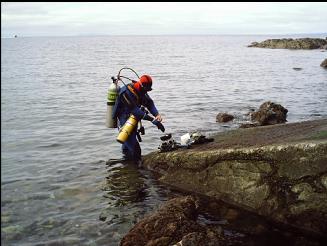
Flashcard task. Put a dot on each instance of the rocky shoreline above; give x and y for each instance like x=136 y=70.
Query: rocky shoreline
x=278 y=172
x=294 y=44
x=289 y=43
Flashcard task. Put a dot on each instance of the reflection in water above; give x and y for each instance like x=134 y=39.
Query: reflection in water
x=130 y=193
x=125 y=185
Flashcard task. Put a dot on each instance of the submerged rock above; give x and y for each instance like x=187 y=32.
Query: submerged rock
x=174 y=223
x=270 y=113
x=224 y=117
x=324 y=64
x=289 y=43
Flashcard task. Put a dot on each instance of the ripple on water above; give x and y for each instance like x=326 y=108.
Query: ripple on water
x=50 y=145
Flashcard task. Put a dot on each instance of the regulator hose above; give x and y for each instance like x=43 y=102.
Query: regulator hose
x=141 y=129
x=120 y=76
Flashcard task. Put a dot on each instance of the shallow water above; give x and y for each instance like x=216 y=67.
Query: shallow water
x=56 y=187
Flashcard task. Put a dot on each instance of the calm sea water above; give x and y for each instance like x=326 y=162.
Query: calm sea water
x=55 y=186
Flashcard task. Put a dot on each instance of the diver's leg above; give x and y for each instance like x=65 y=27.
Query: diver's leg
x=134 y=149
x=127 y=155
x=129 y=146
x=137 y=154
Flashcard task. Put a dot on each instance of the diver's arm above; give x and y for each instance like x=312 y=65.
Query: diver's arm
x=152 y=108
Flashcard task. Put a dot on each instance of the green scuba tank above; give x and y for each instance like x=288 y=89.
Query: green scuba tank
x=111 y=99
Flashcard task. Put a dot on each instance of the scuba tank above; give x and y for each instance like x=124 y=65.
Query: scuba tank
x=111 y=99
x=131 y=123
x=127 y=129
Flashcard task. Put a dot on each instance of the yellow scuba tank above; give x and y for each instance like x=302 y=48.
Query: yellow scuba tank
x=111 y=99
x=127 y=129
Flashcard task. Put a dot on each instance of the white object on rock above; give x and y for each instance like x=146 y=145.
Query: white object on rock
x=185 y=139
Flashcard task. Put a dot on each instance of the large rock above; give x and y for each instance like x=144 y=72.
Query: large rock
x=289 y=43
x=224 y=117
x=270 y=113
x=324 y=64
x=174 y=223
x=283 y=181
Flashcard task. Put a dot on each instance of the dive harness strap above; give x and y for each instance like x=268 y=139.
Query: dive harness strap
x=132 y=90
x=145 y=117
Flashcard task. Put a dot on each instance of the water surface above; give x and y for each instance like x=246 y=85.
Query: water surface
x=55 y=185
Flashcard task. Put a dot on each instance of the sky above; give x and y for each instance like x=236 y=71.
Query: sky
x=159 y=18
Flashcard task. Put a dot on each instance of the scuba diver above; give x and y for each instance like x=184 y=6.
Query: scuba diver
x=129 y=108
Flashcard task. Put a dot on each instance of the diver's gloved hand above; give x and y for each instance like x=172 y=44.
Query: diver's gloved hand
x=159 y=125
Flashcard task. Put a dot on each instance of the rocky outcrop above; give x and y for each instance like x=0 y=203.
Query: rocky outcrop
x=289 y=43
x=173 y=224
x=285 y=181
x=270 y=113
x=224 y=117
x=324 y=64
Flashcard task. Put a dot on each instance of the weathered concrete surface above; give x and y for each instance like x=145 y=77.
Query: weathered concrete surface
x=289 y=43
x=285 y=180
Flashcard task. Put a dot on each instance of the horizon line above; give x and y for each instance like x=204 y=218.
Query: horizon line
x=113 y=35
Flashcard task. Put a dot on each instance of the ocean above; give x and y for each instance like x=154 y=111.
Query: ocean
x=56 y=188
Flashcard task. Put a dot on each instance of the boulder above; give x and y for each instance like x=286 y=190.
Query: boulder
x=270 y=113
x=224 y=117
x=174 y=223
x=324 y=64
x=289 y=43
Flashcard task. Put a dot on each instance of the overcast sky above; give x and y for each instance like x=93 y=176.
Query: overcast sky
x=85 y=18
